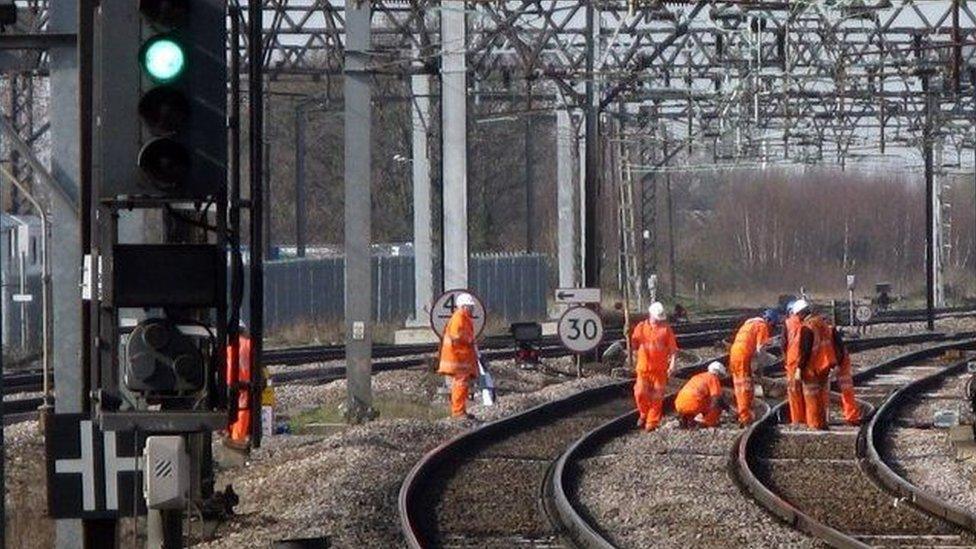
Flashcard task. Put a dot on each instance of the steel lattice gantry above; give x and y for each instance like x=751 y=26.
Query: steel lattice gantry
x=792 y=68
x=785 y=68
x=788 y=71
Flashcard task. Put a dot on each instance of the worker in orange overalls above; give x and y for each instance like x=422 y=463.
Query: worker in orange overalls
x=791 y=361
x=656 y=347
x=751 y=337
x=702 y=394
x=459 y=358
x=817 y=358
x=845 y=381
x=239 y=364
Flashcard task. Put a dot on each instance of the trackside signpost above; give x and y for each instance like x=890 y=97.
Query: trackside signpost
x=578 y=295
x=444 y=307
x=580 y=330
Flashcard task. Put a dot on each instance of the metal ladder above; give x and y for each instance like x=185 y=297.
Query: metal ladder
x=628 y=230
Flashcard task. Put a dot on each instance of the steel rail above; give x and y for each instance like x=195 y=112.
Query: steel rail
x=579 y=531
x=560 y=512
x=585 y=534
x=795 y=517
x=727 y=321
x=876 y=467
x=484 y=434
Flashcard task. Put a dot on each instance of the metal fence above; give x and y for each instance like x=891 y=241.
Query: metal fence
x=513 y=287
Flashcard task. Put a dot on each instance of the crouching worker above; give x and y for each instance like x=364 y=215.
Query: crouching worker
x=702 y=394
x=459 y=358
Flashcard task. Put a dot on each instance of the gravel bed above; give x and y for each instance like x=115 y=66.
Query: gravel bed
x=819 y=474
x=863 y=359
x=22 y=396
x=26 y=498
x=646 y=490
x=954 y=324
x=346 y=485
x=671 y=488
x=490 y=495
x=839 y=495
x=923 y=410
x=839 y=443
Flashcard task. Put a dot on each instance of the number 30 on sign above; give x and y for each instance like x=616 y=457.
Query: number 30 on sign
x=580 y=329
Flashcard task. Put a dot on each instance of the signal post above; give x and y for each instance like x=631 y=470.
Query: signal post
x=157 y=274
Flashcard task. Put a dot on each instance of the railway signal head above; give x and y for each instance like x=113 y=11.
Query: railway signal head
x=183 y=96
x=163 y=58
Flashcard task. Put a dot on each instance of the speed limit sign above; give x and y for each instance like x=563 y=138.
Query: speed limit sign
x=580 y=329
x=863 y=314
x=444 y=308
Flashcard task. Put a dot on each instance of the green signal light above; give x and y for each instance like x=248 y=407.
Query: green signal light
x=163 y=58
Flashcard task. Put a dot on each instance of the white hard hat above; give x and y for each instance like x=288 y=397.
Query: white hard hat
x=799 y=306
x=717 y=368
x=464 y=300
x=656 y=311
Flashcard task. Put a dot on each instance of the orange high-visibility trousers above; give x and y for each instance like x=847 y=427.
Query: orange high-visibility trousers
x=649 y=396
x=710 y=416
x=845 y=382
x=794 y=395
x=740 y=366
x=815 y=397
x=459 y=395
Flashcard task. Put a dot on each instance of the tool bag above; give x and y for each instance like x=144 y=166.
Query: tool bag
x=485 y=382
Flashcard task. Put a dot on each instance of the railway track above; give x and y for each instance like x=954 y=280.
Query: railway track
x=697 y=451
x=21 y=409
x=816 y=481
x=413 y=355
x=325 y=353
x=724 y=321
x=484 y=487
x=515 y=472
x=910 y=411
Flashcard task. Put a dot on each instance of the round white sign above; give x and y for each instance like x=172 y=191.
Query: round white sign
x=444 y=308
x=863 y=313
x=580 y=329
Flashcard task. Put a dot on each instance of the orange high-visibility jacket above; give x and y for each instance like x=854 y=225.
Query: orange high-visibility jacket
x=699 y=392
x=823 y=356
x=753 y=333
x=239 y=376
x=654 y=343
x=457 y=345
x=792 y=343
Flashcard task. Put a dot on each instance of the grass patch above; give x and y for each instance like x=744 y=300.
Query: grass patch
x=389 y=405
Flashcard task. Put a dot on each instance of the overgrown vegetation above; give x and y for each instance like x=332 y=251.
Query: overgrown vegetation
x=737 y=233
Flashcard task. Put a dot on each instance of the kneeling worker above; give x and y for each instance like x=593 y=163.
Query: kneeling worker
x=702 y=394
x=458 y=355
